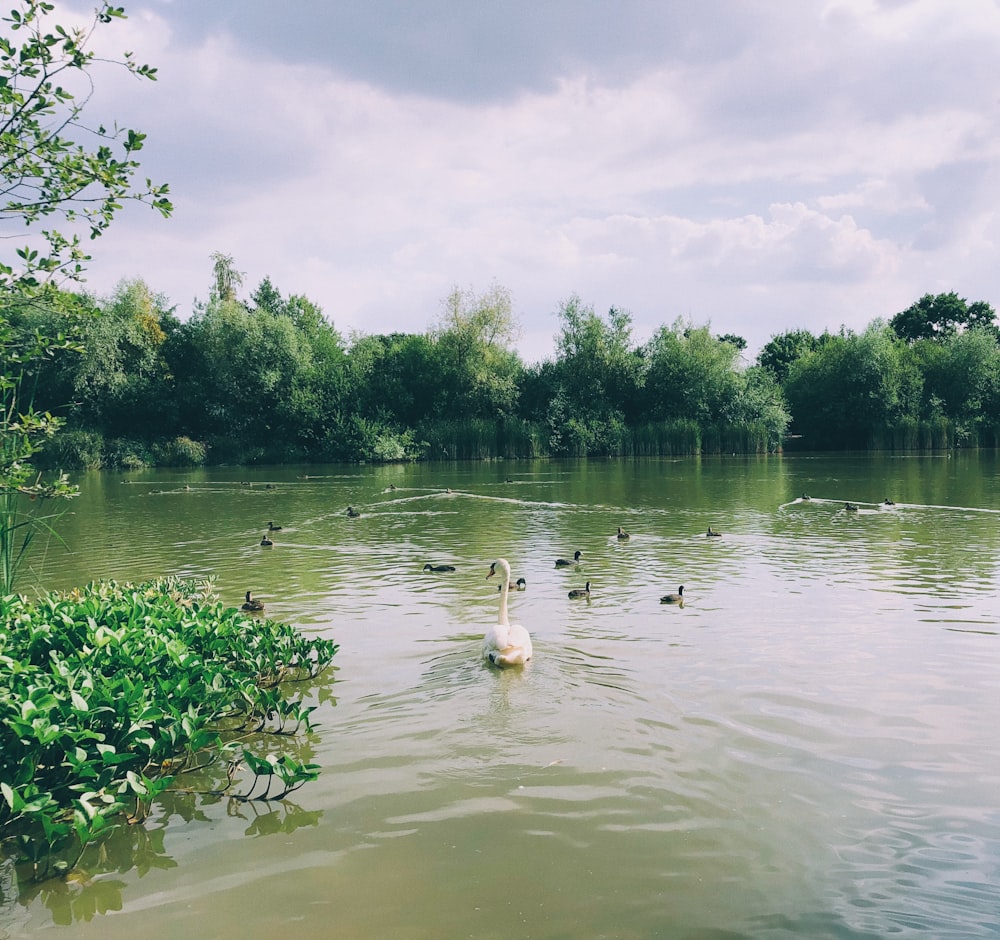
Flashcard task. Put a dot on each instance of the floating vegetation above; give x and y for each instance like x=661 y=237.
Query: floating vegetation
x=109 y=693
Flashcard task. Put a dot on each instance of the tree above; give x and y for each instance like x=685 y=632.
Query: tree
x=226 y=278
x=738 y=341
x=45 y=171
x=690 y=374
x=60 y=178
x=121 y=386
x=474 y=343
x=598 y=368
x=940 y=316
x=782 y=350
x=853 y=388
x=962 y=376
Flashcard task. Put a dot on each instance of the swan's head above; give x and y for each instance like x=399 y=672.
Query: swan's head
x=504 y=567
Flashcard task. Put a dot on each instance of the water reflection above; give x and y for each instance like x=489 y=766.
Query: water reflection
x=805 y=748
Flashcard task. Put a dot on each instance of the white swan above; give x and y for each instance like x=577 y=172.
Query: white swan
x=506 y=644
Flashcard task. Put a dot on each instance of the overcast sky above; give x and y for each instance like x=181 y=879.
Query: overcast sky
x=756 y=166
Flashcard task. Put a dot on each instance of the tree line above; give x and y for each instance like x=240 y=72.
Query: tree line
x=268 y=378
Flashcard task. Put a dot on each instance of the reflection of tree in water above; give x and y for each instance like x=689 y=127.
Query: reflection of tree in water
x=132 y=848
x=141 y=848
x=9 y=910
x=268 y=819
x=77 y=897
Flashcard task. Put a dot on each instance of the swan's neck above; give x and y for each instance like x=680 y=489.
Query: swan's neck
x=504 y=591
x=502 y=619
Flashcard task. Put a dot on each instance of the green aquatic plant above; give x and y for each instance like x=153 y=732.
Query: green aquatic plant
x=109 y=693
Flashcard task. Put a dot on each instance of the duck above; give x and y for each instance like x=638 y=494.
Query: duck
x=806 y=497
x=252 y=604
x=622 y=534
x=888 y=502
x=438 y=569
x=850 y=507
x=352 y=513
x=505 y=643
x=677 y=598
x=392 y=487
x=519 y=585
x=565 y=563
x=580 y=592
x=271 y=527
x=265 y=540
x=713 y=534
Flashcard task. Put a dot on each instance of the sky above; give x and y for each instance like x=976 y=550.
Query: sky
x=754 y=166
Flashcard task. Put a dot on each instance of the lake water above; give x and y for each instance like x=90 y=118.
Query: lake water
x=809 y=747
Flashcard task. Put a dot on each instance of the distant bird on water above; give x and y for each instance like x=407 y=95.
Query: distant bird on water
x=580 y=592
x=352 y=513
x=622 y=534
x=677 y=598
x=265 y=540
x=438 y=569
x=565 y=563
x=888 y=502
x=252 y=604
x=519 y=585
x=850 y=507
x=271 y=527
x=712 y=533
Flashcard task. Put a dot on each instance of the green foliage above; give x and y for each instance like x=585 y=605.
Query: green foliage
x=46 y=173
x=781 y=351
x=225 y=277
x=73 y=450
x=690 y=374
x=180 y=452
x=847 y=392
x=59 y=178
x=942 y=316
x=120 y=382
x=481 y=439
x=477 y=370
x=962 y=377
x=394 y=379
x=23 y=433
x=597 y=368
x=270 y=381
x=375 y=441
x=108 y=694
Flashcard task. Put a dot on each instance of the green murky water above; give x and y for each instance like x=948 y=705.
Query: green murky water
x=808 y=748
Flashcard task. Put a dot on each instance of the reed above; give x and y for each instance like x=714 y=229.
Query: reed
x=479 y=439
x=666 y=439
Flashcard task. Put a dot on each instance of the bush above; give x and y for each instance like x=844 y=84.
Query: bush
x=124 y=454
x=72 y=450
x=180 y=452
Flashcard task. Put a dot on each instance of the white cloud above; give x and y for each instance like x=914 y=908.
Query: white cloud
x=783 y=176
